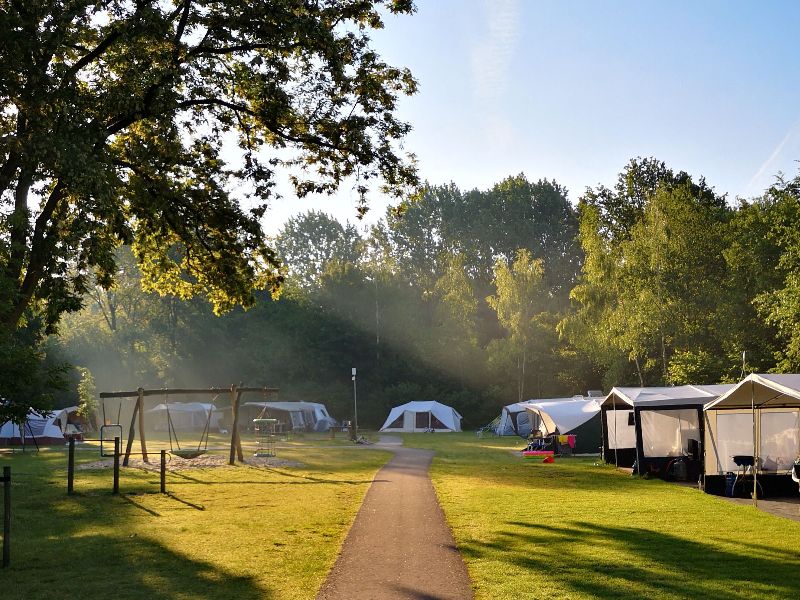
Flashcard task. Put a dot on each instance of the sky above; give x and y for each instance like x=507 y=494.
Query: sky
x=572 y=90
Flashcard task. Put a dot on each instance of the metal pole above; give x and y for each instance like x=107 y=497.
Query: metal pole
x=6 y=516
x=355 y=403
x=163 y=471
x=755 y=443
x=71 y=466
x=116 y=465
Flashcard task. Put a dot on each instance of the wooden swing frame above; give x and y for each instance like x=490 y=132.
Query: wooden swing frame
x=138 y=413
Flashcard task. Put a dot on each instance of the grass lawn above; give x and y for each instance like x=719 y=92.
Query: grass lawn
x=576 y=530
x=232 y=532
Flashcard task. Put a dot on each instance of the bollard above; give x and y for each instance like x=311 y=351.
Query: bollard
x=6 y=516
x=71 y=466
x=163 y=471
x=116 y=465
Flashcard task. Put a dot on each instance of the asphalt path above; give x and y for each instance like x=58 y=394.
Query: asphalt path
x=400 y=546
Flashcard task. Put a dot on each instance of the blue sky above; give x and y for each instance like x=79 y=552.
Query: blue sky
x=571 y=90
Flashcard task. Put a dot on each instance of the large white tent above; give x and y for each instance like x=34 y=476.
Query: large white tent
x=514 y=420
x=185 y=416
x=655 y=425
x=422 y=415
x=758 y=418
x=579 y=416
x=311 y=416
x=37 y=428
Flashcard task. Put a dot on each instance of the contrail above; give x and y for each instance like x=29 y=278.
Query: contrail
x=794 y=132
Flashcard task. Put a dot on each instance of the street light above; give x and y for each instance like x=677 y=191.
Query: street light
x=355 y=406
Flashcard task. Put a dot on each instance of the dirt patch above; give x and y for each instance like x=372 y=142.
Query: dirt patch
x=175 y=463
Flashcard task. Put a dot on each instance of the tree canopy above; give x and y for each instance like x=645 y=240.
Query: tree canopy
x=113 y=118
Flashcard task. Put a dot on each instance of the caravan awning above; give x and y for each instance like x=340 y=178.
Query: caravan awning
x=680 y=395
x=761 y=391
x=564 y=415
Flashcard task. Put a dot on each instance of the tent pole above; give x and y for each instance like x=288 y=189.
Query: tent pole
x=755 y=448
x=616 y=460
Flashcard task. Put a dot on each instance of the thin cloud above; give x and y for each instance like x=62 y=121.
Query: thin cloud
x=491 y=59
x=771 y=166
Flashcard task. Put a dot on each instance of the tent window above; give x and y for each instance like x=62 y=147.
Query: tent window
x=436 y=423
x=734 y=437
x=631 y=420
x=620 y=433
x=397 y=423
x=779 y=440
x=422 y=420
x=667 y=432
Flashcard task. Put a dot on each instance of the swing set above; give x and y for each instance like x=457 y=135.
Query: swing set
x=137 y=418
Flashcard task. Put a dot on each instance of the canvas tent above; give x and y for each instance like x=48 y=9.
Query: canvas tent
x=422 y=415
x=514 y=420
x=576 y=416
x=300 y=416
x=758 y=418
x=653 y=426
x=37 y=429
x=185 y=416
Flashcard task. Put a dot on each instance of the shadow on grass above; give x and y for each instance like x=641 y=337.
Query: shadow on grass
x=604 y=561
x=128 y=568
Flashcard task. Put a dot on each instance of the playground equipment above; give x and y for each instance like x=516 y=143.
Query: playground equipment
x=265 y=436
x=202 y=444
x=138 y=416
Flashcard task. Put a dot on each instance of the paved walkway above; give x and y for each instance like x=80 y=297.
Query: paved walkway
x=399 y=546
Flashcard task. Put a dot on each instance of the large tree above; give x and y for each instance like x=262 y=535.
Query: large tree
x=113 y=117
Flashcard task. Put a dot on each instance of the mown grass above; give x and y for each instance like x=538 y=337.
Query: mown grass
x=232 y=532
x=575 y=529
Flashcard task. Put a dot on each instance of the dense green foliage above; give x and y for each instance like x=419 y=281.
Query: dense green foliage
x=437 y=303
x=114 y=119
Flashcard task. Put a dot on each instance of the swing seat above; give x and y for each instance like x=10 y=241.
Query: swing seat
x=187 y=454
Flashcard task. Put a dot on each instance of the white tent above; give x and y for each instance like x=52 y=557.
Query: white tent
x=514 y=420
x=653 y=422
x=561 y=415
x=577 y=415
x=300 y=415
x=185 y=416
x=42 y=429
x=758 y=418
x=422 y=415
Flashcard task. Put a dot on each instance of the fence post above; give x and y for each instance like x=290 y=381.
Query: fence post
x=163 y=471
x=71 y=466
x=6 y=516
x=116 y=465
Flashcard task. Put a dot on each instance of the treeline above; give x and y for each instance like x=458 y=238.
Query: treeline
x=482 y=298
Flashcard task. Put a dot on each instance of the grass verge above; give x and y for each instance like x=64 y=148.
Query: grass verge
x=574 y=529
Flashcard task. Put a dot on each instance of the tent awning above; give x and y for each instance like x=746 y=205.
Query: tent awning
x=681 y=395
x=761 y=391
x=564 y=415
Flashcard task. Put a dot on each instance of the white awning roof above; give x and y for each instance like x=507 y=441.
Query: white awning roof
x=679 y=395
x=763 y=391
x=564 y=415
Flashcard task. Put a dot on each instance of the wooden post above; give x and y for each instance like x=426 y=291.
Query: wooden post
x=131 y=435
x=140 y=403
x=6 y=516
x=163 y=471
x=116 y=465
x=239 y=452
x=71 y=466
x=235 y=444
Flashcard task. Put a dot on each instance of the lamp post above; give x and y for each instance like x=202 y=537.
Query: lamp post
x=355 y=404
